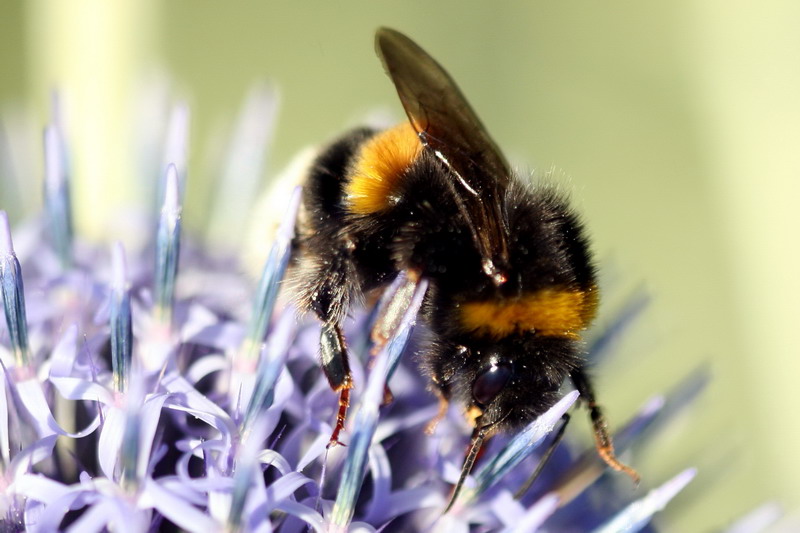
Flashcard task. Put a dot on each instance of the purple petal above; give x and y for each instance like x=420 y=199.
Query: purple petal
x=392 y=425
x=50 y=516
x=536 y=515
x=303 y=512
x=95 y=519
x=176 y=509
x=184 y=489
x=177 y=142
x=31 y=455
x=32 y=399
x=759 y=519
x=450 y=523
x=149 y=417
x=639 y=513
x=184 y=397
x=5 y=450
x=315 y=450
x=203 y=327
x=114 y=514
x=212 y=480
x=82 y=389
x=360 y=527
x=243 y=165
x=273 y=458
x=508 y=510
x=205 y=366
x=285 y=487
x=404 y=501
x=62 y=358
x=39 y=488
x=108 y=447
x=381 y=471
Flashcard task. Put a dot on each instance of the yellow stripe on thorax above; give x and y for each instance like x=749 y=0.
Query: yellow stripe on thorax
x=380 y=163
x=548 y=312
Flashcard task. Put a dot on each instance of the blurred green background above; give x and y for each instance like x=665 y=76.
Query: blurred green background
x=676 y=125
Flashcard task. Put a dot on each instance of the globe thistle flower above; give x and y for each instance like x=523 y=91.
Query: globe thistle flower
x=131 y=401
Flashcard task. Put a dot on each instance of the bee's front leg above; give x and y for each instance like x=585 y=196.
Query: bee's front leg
x=336 y=366
x=603 y=442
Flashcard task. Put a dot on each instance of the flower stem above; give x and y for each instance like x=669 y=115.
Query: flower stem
x=269 y=286
x=57 y=194
x=120 y=321
x=167 y=248
x=13 y=294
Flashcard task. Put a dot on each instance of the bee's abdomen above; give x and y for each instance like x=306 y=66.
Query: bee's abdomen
x=553 y=312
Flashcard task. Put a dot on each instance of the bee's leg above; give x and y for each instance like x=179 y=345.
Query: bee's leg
x=545 y=457
x=327 y=282
x=602 y=440
x=392 y=306
x=388 y=396
x=444 y=404
x=337 y=369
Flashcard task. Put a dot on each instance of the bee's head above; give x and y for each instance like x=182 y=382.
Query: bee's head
x=507 y=383
x=504 y=383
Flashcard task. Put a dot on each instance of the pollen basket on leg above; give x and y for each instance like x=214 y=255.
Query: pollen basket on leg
x=379 y=165
x=548 y=312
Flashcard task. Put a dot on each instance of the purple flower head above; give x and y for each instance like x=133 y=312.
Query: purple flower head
x=138 y=394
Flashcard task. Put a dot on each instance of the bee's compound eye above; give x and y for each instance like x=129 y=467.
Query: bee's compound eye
x=490 y=382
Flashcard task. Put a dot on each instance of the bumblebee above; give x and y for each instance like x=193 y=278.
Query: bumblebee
x=511 y=282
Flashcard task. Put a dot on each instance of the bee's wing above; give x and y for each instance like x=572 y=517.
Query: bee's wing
x=448 y=126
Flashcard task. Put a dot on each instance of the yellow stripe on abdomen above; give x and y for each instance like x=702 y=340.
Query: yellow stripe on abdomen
x=548 y=312
x=380 y=163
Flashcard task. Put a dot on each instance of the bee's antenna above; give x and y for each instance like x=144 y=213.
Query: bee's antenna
x=475 y=447
x=545 y=458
